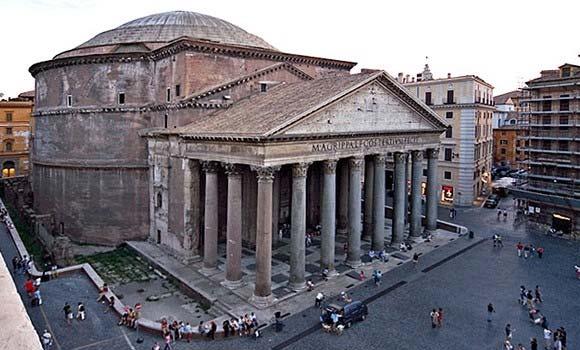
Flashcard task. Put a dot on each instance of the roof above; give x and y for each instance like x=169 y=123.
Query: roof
x=445 y=80
x=265 y=114
x=503 y=98
x=168 y=26
x=27 y=94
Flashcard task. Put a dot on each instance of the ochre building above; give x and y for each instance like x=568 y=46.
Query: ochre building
x=15 y=115
x=186 y=130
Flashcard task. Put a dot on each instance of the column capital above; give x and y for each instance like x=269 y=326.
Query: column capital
x=400 y=157
x=210 y=166
x=433 y=153
x=265 y=173
x=417 y=155
x=329 y=166
x=300 y=169
x=356 y=162
x=232 y=169
x=380 y=159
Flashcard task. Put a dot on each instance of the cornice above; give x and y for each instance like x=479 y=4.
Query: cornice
x=187 y=44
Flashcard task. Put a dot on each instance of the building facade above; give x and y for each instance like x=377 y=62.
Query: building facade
x=202 y=134
x=466 y=103
x=505 y=144
x=550 y=133
x=15 y=118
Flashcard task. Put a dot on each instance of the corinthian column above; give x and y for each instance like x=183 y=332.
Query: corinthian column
x=354 y=212
x=328 y=219
x=298 y=226
x=379 y=204
x=343 y=198
x=210 y=244
x=368 y=212
x=234 y=228
x=432 y=183
x=399 y=198
x=263 y=290
x=416 y=174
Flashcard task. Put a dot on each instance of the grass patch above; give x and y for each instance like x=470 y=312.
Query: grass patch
x=32 y=244
x=119 y=266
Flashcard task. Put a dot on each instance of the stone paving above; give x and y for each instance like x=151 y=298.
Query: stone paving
x=398 y=316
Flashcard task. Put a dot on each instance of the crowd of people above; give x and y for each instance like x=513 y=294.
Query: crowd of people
x=528 y=250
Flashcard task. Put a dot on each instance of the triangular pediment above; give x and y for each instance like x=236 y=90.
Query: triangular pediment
x=371 y=108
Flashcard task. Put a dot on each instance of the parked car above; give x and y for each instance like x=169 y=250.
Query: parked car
x=349 y=313
x=492 y=201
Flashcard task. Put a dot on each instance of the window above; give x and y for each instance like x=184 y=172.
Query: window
x=8 y=169
x=547 y=105
x=8 y=131
x=159 y=200
x=121 y=98
x=8 y=116
x=424 y=172
x=8 y=146
x=565 y=72
x=165 y=121
x=168 y=95
x=564 y=104
x=449 y=132
x=263 y=87
x=563 y=145
x=178 y=90
x=449 y=115
x=502 y=151
x=69 y=101
x=450 y=97
x=503 y=142
x=447 y=175
x=547 y=144
x=428 y=98
x=546 y=120
x=448 y=154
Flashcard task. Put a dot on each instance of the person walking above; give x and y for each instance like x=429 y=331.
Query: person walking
x=212 y=330
x=520 y=249
x=81 y=313
x=156 y=346
x=167 y=341
x=318 y=299
x=540 y=252
x=538 y=294
x=533 y=344
x=440 y=317
x=46 y=340
x=498 y=214
x=434 y=316
x=415 y=259
x=509 y=332
x=68 y=314
x=490 y=312
x=548 y=339
x=504 y=215
x=523 y=295
x=526 y=251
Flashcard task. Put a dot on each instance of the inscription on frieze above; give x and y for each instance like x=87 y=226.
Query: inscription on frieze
x=365 y=144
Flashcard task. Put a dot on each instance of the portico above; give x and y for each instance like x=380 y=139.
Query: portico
x=335 y=132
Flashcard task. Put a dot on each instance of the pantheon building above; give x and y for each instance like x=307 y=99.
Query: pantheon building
x=188 y=131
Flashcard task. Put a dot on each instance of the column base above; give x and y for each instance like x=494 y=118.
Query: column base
x=262 y=302
x=354 y=264
x=366 y=238
x=332 y=274
x=429 y=231
x=209 y=271
x=342 y=231
x=233 y=284
x=297 y=287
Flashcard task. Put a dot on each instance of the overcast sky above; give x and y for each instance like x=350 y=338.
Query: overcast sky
x=503 y=42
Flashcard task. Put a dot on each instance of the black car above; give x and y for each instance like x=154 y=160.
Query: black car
x=348 y=314
x=492 y=201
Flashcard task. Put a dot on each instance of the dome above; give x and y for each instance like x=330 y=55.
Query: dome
x=168 y=26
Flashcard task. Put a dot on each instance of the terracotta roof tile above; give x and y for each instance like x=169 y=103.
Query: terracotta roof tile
x=259 y=114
